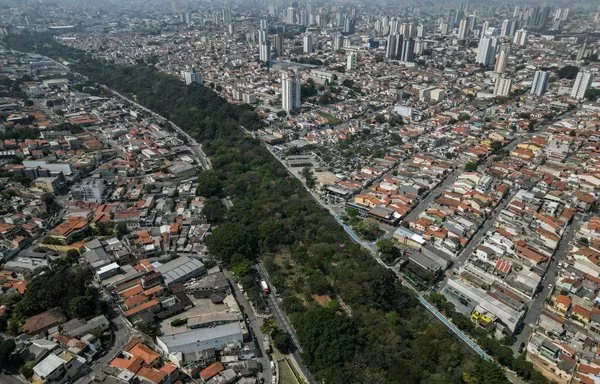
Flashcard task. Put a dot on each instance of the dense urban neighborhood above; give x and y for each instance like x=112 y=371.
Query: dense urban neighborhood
x=299 y=192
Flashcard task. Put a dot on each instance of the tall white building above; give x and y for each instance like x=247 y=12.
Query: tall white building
x=540 y=83
x=351 y=61
x=264 y=52
x=484 y=29
x=191 y=76
x=520 y=37
x=502 y=86
x=338 y=42
x=486 y=52
x=308 y=43
x=462 y=29
x=290 y=92
x=583 y=81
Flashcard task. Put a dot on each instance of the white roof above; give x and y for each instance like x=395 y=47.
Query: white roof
x=50 y=364
x=107 y=268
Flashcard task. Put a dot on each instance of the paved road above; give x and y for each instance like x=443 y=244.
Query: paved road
x=284 y=323
x=427 y=201
x=537 y=304
x=255 y=324
x=122 y=334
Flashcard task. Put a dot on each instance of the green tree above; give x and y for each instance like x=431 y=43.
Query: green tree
x=568 y=72
x=149 y=329
x=214 y=210
x=7 y=347
x=82 y=307
x=471 y=167
x=121 y=229
x=27 y=369
x=209 y=184
x=308 y=175
x=72 y=256
x=281 y=340
x=389 y=251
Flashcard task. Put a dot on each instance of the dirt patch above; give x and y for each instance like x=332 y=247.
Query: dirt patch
x=321 y=299
x=325 y=178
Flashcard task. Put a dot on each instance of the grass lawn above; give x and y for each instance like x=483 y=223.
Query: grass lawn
x=286 y=374
x=330 y=118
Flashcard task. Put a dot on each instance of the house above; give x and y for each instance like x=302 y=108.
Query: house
x=211 y=371
x=581 y=314
x=55 y=369
x=562 y=303
x=42 y=322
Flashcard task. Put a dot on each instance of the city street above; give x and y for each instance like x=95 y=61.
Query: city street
x=537 y=304
x=284 y=323
x=255 y=323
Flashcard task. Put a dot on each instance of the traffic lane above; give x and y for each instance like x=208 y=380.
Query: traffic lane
x=537 y=305
x=254 y=324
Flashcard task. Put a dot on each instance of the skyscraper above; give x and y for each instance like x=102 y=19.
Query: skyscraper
x=265 y=51
x=278 y=46
x=408 y=50
x=226 y=15
x=486 y=52
x=462 y=29
x=393 y=46
x=290 y=15
x=583 y=81
x=262 y=36
x=520 y=37
x=502 y=58
x=303 y=16
x=539 y=86
x=351 y=61
x=508 y=28
x=349 y=25
x=264 y=24
x=290 y=92
x=502 y=86
x=484 y=29
x=338 y=42
x=191 y=76
x=420 y=31
x=308 y=43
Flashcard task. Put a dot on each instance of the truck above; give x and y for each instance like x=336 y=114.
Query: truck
x=265 y=287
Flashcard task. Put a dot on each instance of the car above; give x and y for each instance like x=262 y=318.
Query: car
x=521 y=347
x=261 y=381
x=549 y=287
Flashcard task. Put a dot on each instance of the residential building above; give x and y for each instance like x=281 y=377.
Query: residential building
x=290 y=92
x=539 y=86
x=501 y=59
x=462 y=29
x=265 y=51
x=351 y=61
x=583 y=81
x=278 y=45
x=308 y=43
x=502 y=86
x=408 y=50
x=192 y=77
x=338 y=42
x=486 y=52
x=520 y=37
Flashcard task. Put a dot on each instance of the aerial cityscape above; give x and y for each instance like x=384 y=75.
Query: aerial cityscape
x=299 y=192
